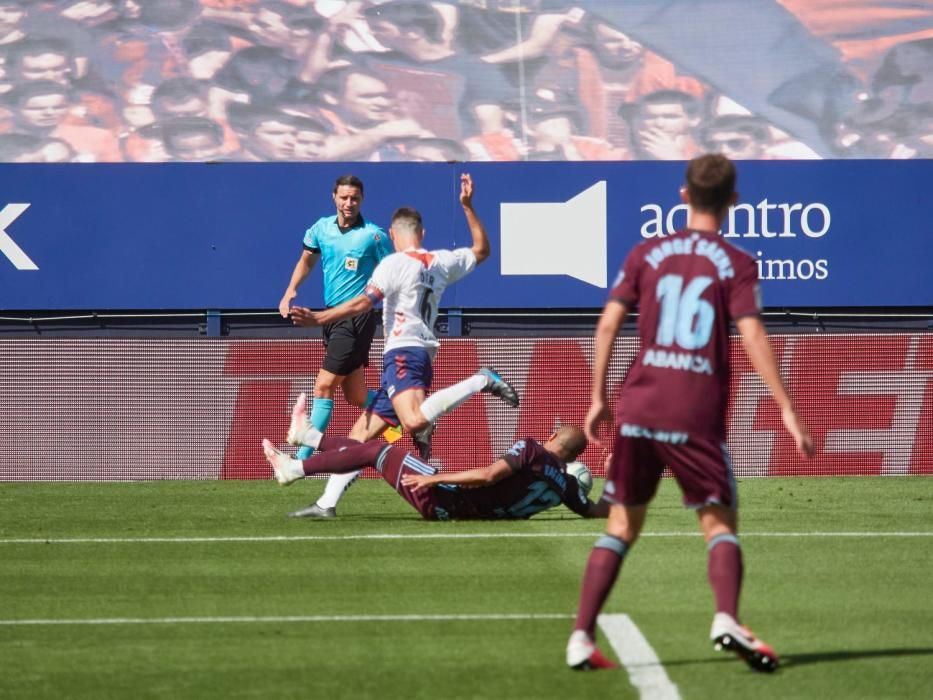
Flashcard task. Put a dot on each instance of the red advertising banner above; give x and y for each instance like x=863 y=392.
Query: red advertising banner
x=122 y=409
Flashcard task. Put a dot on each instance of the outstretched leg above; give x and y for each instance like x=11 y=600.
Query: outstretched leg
x=335 y=456
x=485 y=380
x=448 y=399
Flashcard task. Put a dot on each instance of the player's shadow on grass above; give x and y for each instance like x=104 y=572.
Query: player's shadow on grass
x=414 y=517
x=718 y=659
x=378 y=517
x=791 y=660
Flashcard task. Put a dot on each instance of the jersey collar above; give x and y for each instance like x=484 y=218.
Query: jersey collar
x=360 y=223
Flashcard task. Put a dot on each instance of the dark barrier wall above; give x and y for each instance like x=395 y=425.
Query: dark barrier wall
x=226 y=236
x=127 y=409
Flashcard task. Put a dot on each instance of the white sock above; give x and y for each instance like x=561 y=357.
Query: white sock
x=312 y=437
x=295 y=468
x=446 y=400
x=336 y=486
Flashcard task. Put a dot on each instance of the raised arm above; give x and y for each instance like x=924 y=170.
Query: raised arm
x=607 y=329
x=758 y=349
x=480 y=246
x=481 y=476
x=303 y=268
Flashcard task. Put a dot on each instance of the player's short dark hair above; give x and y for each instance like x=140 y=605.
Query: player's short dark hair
x=410 y=217
x=710 y=182
x=349 y=181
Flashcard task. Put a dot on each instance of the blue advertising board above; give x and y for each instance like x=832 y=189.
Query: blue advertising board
x=227 y=235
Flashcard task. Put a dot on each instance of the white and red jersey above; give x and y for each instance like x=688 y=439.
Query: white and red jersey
x=410 y=285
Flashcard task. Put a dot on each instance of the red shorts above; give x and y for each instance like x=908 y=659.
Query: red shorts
x=702 y=467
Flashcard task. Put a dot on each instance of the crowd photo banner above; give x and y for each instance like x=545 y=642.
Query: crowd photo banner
x=464 y=80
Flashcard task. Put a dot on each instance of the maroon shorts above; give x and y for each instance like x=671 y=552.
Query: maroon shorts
x=702 y=467
x=395 y=462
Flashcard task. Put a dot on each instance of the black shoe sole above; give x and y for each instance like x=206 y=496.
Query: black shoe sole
x=507 y=394
x=763 y=663
x=504 y=390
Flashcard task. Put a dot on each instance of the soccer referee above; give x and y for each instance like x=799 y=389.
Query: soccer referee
x=350 y=247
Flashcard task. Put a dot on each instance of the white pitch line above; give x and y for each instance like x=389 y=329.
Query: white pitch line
x=290 y=619
x=418 y=536
x=644 y=668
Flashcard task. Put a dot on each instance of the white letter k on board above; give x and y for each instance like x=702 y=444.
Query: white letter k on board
x=8 y=247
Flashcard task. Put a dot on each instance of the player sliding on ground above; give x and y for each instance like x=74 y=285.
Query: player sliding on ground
x=671 y=410
x=529 y=478
x=410 y=283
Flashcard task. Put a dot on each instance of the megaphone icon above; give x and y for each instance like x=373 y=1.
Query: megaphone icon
x=557 y=238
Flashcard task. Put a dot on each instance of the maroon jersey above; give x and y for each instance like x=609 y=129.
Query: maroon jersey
x=539 y=481
x=687 y=287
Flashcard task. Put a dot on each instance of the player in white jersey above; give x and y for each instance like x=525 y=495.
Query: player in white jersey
x=410 y=283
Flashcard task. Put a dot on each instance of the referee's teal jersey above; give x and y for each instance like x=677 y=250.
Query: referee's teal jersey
x=348 y=257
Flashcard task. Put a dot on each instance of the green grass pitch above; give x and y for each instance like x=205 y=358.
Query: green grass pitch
x=839 y=575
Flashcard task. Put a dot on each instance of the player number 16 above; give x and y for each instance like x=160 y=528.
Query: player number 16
x=685 y=318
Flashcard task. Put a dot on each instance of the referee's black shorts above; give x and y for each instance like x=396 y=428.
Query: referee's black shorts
x=348 y=343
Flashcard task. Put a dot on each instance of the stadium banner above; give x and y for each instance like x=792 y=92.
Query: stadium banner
x=465 y=80
x=227 y=235
x=131 y=409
